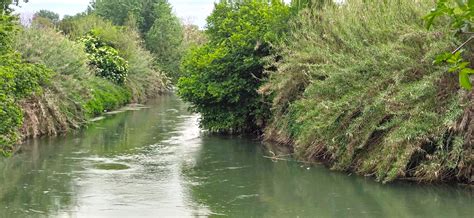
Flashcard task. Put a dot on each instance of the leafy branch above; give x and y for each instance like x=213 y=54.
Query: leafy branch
x=461 y=14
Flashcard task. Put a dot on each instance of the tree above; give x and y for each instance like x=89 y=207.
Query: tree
x=165 y=37
x=159 y=27
x=52 y=16
x=117 y=11
x=5 y=4
x=221 y=78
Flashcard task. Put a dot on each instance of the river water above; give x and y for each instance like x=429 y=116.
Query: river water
x=156 y=162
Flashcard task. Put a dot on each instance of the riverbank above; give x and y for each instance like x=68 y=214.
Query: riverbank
x=95 y=68
x=352 y=84
x=358 y=91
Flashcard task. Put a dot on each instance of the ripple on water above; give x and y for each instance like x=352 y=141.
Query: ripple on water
x=111 y=166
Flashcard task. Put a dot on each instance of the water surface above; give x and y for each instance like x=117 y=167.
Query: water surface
x=157 y=163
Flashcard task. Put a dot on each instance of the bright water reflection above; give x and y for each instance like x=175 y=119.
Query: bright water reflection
x=156 y=162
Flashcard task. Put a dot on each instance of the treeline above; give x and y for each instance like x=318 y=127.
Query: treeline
x=56 y=74
x=348 y=83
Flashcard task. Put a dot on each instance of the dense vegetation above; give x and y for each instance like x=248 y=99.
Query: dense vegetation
x=358 y=89
x=351 y=84
x=462 y=17
x=221 y=77
x=53 y=80
x=160 y=28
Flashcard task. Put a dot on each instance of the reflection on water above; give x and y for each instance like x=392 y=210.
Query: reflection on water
x=157 y=162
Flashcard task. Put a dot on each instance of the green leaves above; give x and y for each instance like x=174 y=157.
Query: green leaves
x=221 y=78
x=461 y=15
x=159 y=27
x=458 y=65
x=464 y=78
x=164 y=38
x=18 y=80
x=459 y=11
x=105 y=58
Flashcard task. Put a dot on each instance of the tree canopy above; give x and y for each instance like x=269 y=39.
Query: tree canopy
x=158 y=25
x=221 y=77
x=50 y=15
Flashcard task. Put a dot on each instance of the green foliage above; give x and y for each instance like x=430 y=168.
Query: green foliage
x=52 y=16
x=17 y=81
x=298 y=5
x=105 y=58
x=118 y=11
x=105 y=97
x=356 y=87
x=50 y=48
x=145 y=79
x=5 y=4
x=458 y=65
x=7 y=30
x=221 y=78
x=461 y=15
x=74 y=93
x=158 y=26
x=165 y=37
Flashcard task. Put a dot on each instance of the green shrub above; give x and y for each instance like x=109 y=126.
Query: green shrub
x=7 y=28
x=105 y=59
x=145 y=79
x=221 y=78
x=18 y=80
x=461 y=14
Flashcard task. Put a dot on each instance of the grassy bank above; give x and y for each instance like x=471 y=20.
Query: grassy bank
x=77 y=83
x=352 y=84
x=356 y=88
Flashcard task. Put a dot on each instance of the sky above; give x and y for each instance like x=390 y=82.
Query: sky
x=193 y=11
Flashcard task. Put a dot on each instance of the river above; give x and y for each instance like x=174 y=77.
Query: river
x=157 y=162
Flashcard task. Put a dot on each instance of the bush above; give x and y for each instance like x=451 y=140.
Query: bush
x=165 y=37
x=221 y=78
x=144 y=78
x=105 y=59
x=7 y=28
x=17 y=81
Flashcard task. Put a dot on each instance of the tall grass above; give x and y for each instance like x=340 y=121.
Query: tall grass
x=357 y=89
x=73 y=95
x=146 y=79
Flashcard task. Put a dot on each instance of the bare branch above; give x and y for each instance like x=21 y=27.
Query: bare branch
x=463 y=44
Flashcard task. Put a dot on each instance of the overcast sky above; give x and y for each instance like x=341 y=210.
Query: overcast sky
x=195 y=11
